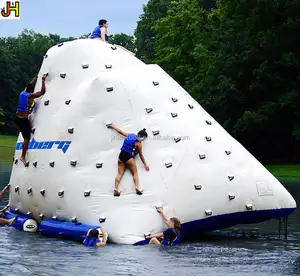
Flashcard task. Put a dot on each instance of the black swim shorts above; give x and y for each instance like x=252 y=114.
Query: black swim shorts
x=24 y=126
x=125 y=156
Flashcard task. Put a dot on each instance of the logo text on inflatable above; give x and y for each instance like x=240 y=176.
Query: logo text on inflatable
x=10 y=9
x=34 y=145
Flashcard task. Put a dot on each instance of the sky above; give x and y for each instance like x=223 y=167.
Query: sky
x=74 y=17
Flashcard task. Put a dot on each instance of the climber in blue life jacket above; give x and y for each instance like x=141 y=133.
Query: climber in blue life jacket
x=100 y=32
x=132 y=146
x=94 y=236
x=171 y=236
x=25 y=107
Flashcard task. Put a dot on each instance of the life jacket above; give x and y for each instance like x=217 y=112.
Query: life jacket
x=24 y=105
x=171 y=237
x=97 y=32
x=129 y=144
x=90 y=241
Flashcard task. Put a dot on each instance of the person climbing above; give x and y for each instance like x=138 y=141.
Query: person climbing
x=25 y=107
x=100 y=32
x=171 y=236
x=93 y=237
x=131 y=147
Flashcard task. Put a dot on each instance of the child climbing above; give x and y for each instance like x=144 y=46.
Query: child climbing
x=171 y=236
x=100 y=32
x=131 y=147
x=94 y=236
x=25 y=107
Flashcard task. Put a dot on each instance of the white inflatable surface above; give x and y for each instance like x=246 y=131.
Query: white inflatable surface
x=91 y=83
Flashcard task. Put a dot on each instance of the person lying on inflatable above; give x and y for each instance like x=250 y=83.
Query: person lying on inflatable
x=95 y=238
x=171 y=236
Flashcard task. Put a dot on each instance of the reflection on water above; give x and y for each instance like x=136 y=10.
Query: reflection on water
x=243 y=250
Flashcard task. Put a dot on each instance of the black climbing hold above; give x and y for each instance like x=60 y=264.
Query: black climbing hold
x=156 y=83
x=71 y=130
x=63 y=75
x=85 y=66
x=16 y=210
x=51 y=164
x=54 y=218
x=149 y=110
x=87 y=193
x=16 y=161
x=74 y=220
x=198 y=187
x=202 y=156
x=177 y=140
x=174 y=100
x=45 y=56
x=46 y=102
x=155 y=132
x=34 y=164
x=230 y=178
x=249 y=207
x=13 y=159
x=29 y=191
x=109 y=89
x=61 y=193
x=208 y=139
x=29 y=214
x=228 y=152
x=27 y=165
x=42 y=216
x=67 y=102
x=191 y=106
x=208 y=212
x=114 y=48
x=231 y=197
x=17 y=189
x=73 y=163
x=43 y=192
x=169 y=165
x=33 y=130
x=99 y=165
x=174 y=115
x=60 y=44
x=108 y=66
x=101 y=220
x=208 y=122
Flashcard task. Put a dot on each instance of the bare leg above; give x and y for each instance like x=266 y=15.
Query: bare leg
x=154 y=241
x=131 y=165
x=7 y=221
x=24 y=151
x=121 y=171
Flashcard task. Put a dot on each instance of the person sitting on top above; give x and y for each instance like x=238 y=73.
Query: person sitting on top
x=171 y=236
x=100 y=32
x=131 y=147
x=25 y=107
x=94 y=236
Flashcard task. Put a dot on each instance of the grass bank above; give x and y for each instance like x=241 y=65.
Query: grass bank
x=7 y=148
x=285 y=171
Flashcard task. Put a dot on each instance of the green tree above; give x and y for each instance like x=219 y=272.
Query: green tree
x=1 y=115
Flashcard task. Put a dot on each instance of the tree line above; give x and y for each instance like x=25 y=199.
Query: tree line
x=239 y=59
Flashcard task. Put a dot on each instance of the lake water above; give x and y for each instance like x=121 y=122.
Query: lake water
x=243 y=250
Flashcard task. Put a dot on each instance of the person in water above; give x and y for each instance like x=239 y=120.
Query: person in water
x=25 y=108
x=131 y=147
x=171 y=236
x=100 y=32
x=94 y=236
x=4 y=221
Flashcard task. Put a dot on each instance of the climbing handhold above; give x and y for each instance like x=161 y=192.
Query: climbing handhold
x=29 y=214
x=198 y=187
x=67 y=102
x=85 y=66
x=51 y=164
x=208 y=122
x=109 y=89
x=46 y=103
x=87 y=193
x=174 y=115
x=61 y=193
x=16 y=161
x=202 y=156
x=174 y=100
x=60 y=44
x=231 y=196
x=228 y=152
x=34 y=164
x=249 y=207
x=74 y=220
x=63 y=75
x=29 y=191
x=101 y=220
x=155 y=132
x=16 y=210
x=42 y=216
x=169 y=165
x=208 y=139
x=27 y=164
x=99 y=165
x=45 y=56
x=54 y=218
x=114 y=47
x=73 y=163
x=230 y=178
x=156 y=83
x=33 y=130
x=208 y=212
x=149 y=110
x=43 y=192
x=71 y=130
x=17 y=189
x=177 y=140
x=108 y=66
x=191 y=106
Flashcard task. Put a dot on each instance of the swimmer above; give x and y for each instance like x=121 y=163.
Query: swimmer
x=93 y=238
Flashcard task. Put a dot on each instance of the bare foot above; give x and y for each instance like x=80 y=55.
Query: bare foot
x=22 y=159
x=11 y=221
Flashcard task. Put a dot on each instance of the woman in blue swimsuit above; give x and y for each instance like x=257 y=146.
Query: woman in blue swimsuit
x=100 y=32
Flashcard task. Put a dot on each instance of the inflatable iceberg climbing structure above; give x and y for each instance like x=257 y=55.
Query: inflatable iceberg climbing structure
x=198 y=172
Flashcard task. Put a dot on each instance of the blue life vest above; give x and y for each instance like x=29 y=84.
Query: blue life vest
x=24 y=105
x=129 y=144
x=97 y=32
x=171 y=237
x=90 y=241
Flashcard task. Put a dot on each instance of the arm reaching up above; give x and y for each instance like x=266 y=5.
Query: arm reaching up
x=112 y=126
x=43 y=89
